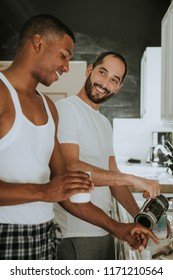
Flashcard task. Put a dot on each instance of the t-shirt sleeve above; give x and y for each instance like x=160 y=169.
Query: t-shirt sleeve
x=68 y=125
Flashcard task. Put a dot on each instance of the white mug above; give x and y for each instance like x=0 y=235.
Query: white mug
x=81 y=197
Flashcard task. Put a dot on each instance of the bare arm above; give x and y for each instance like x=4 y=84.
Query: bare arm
x=134 y=234
x=104 y=177
x=122 y=194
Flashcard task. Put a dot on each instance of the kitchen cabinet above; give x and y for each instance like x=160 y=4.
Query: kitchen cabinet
x=167 y=67
x=150 y=86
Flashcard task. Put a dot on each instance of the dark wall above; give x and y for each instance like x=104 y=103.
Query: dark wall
x=124 y=26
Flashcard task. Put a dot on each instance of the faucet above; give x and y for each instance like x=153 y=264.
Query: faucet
x=160 y=147
x=168 y=154
x=169 y=147
x=163 y=150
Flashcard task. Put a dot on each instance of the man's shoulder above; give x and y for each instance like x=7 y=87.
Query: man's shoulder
x=67 y=105
x=66 y=100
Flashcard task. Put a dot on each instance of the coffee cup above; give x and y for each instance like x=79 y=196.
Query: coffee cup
x=81 y=197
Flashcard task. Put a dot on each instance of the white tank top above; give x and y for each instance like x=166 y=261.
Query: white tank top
x=25 y=152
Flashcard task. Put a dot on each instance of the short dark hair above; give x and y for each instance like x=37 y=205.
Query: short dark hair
x=43 y=24
x=101 y=56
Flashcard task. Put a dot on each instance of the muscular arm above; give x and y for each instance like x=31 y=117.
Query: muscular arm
x=14 y=193
x=99 y=177
x=122 y=194
x=96 y=216
x=102 y=177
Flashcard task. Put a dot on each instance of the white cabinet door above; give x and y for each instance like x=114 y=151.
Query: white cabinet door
x=151 y=85
x=167 y=67
x=170 y=66
x=164 y=70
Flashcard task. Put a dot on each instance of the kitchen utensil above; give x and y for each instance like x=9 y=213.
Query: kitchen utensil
x=167 y=251
x=151 y=211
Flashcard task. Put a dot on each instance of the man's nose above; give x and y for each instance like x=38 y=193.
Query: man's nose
x=105 y=83
x=66 y=67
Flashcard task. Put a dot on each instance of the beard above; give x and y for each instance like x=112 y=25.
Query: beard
x=95 y=98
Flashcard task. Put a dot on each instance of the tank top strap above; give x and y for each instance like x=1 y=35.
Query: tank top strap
x=12 y=91
x=45 y=104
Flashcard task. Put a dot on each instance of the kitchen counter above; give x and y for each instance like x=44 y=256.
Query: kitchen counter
x=166 y=188
x=146 y=170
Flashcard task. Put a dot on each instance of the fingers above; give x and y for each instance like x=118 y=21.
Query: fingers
x=142 y=231
x=62 y=187
x=146 y=194
x=150 y=194
x=78 y=174
x=138 y=241
x=139 y=238
x=152 y=189
x=71 y=191
x=143 y=241
x=75 y=180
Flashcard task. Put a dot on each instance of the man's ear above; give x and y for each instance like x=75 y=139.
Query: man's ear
x=88 y=70
x=37 y=42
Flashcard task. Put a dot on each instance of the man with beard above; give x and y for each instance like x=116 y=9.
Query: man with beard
x=85 y=137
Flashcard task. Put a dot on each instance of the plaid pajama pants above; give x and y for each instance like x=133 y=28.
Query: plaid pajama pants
x=29 y=242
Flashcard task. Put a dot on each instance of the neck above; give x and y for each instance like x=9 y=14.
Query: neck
x=20 y=79
x=82 y=94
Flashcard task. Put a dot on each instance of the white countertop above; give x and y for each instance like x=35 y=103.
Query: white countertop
x=146 y=170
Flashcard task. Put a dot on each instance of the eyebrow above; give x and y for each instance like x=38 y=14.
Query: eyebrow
x=103 y=68
x=69 y=52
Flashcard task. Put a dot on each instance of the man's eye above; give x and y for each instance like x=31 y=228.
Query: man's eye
x=63 y=56
x=115 y=81
x=102 y=72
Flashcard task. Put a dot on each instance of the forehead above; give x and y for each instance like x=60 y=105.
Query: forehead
x=65 y=44
x=113 y=65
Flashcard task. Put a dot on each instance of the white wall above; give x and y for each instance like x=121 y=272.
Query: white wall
x=69 y=83
x=132 y=138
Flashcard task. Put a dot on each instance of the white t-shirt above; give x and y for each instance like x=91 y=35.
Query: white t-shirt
x=82 y=125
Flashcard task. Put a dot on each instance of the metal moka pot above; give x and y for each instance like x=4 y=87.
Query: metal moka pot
x=151 y=211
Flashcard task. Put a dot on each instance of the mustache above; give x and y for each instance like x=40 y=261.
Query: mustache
x=105 y=89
